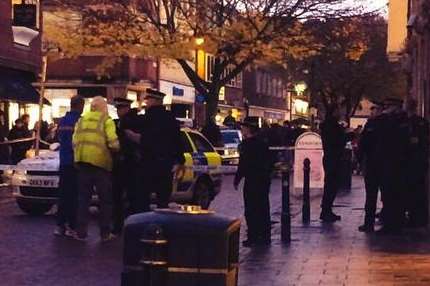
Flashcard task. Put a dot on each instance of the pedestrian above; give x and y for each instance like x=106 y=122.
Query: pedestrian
x=161 y=149
x=26 y=121
x=94 y=141
x=255 y=167
x=393 y=140
x=68 y=187
x=19 y=149
x=4 y=148
x=229 y=120
x=368 y=156
x=333 y=140
x=356 y=167
x=417 y=166
x=125 y=168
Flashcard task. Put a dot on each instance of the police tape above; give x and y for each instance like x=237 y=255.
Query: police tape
x=45 y=168
x=17 y=141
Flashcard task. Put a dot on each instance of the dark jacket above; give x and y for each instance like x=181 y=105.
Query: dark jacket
x=19 y=149
x=418 y=145
x=255 y=159
x=212 y=132
x=66 y=127
x=368 y=145
x=161 y=144
x=333 y=140
x=129 y=150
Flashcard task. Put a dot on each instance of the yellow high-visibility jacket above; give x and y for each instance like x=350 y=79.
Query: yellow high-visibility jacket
x=94 y=139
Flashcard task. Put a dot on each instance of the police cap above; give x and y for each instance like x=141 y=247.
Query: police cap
x=153 y=93
x=120 y=102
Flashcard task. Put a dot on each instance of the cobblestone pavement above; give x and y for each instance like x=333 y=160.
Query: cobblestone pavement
x=319 y=254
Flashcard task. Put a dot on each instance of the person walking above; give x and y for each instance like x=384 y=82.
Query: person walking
x=19 y=149
x=94 y=140
x=333 y=139
x=68 y=193
x=255 y=167
x=417 y=166
x=125 y=163
x=393 y=140
x=368 y=156
x=162 y=152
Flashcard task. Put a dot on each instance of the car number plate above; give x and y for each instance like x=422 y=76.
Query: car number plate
x=42 y=182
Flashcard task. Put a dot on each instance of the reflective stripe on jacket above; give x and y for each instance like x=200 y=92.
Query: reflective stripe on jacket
x=94 y=139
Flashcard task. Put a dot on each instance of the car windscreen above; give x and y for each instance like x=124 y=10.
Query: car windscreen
x=230 y=137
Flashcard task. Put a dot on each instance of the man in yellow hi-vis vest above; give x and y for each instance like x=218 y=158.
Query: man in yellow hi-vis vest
x=94 y=140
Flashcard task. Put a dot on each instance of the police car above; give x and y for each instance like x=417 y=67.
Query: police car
x=35 y=180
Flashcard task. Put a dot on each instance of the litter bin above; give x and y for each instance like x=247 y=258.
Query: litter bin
x=182 y=246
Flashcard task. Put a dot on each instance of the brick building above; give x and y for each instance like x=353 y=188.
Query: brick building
x=20 y=57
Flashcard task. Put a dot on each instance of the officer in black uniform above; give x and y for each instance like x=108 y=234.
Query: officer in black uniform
x=333 y=139
x=393 y=140
x=125 y=163
x=417 y=166
x=369 y=157
x=255 y=166
x=161 y=149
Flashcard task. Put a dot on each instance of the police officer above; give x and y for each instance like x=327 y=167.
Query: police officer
x=125 y=162
x=255 y=166
x=368 y=155
x=333 y=139
x=161 y=149
x=393 y=140
x=417 y=166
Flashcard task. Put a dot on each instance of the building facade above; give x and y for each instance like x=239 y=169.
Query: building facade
x=20 y=57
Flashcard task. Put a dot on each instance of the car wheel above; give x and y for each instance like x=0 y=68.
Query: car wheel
x=202 y=194
x=33 y=208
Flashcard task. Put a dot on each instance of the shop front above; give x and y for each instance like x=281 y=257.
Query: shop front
x=271 y=115
x=223 y=111
x=179 y=98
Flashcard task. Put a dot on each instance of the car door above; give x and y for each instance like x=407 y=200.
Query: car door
x=204 y=154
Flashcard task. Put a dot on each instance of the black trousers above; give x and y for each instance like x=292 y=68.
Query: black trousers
x=417 y=199
x=68 y=197
x=124 y=183
x=372 y=184
x=257 y=207
x=332 y=170
x=158 y=180
x=392 y=188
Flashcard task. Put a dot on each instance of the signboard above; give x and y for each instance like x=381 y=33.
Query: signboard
x=309 y=145
x=24 y=15
x=177 y=91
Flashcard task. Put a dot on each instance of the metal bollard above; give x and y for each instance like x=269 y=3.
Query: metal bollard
x=285 y=216
x=154 y=260
x=306 y=209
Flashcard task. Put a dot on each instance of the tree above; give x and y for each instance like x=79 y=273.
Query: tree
x=238 y=33
x=349 y=64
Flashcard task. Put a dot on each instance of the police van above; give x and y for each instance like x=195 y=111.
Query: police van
x=35 y=180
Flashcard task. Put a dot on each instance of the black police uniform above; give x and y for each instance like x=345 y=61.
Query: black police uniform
x=255 y=166
x=125 y=170
x=393 y=140
x=333 y=140
x=161 y=148
x=416 y=171
x=369 y=154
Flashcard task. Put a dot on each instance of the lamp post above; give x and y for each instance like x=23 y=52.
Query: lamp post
x=199 y=41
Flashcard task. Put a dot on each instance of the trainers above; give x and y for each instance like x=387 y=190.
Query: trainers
x=109 y=237
x=59 y=231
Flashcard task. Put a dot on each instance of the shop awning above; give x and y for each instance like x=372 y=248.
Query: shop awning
x=17 y=89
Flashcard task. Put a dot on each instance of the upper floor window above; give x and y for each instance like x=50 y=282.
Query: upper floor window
x=210 y=67
x=26 y=13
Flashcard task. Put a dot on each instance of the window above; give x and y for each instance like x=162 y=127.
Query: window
x=202 y=145
x=186 y=143
x=29 y=2
x=210 y=66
